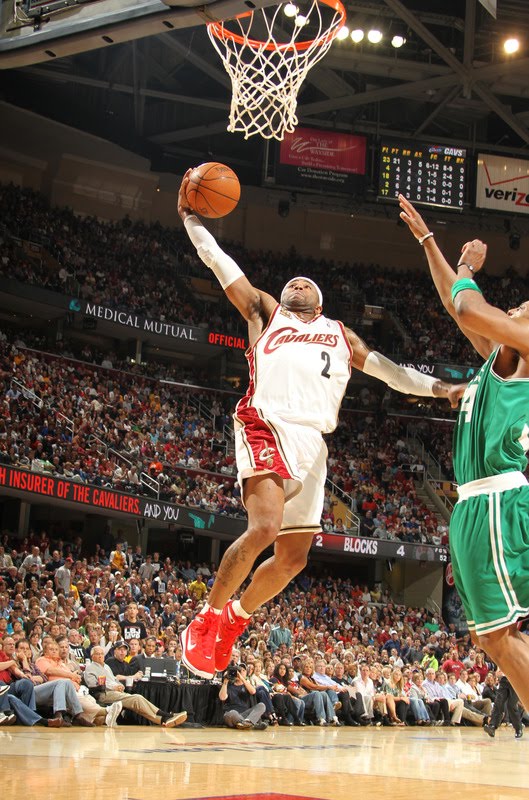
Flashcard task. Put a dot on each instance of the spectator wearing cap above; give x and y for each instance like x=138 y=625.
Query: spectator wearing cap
x=429 y=660
x=63 y=577
x=107 y=689
x=121 y=669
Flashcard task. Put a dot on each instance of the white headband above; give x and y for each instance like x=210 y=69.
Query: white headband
x=312 y=283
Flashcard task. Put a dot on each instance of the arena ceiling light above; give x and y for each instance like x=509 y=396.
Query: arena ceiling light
x=375 y=36
x=398 y=40
x=357 y=35
x=511 y=45
x=301 y=20
x=343 y=33
x=290 y=10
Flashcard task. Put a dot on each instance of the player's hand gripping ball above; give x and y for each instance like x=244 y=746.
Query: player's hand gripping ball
x=213 y=190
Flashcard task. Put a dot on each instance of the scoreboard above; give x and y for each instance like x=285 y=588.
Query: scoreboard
x=430 y=174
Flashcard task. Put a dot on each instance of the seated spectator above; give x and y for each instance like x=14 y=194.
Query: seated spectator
x=107 y=689
x=328 y=696
x=59 y=686
x=123 y=671
x=456 y=705
x=397 y=701
x=469 y=689
x=92 y=712
x=289 y=708
x=418 y=698
x=435 y=701
x=236 y=695
x=469 y=714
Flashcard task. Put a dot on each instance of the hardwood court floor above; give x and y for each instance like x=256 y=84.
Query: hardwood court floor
x=143 y=763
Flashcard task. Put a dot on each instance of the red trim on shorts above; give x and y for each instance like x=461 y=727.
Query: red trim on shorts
x=265 y=448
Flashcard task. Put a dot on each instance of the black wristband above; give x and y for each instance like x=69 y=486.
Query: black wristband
x=468 y=266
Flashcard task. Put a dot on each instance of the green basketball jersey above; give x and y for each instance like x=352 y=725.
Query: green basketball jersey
x=492 y=429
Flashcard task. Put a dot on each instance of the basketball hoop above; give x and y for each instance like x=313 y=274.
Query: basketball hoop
x=267 y=53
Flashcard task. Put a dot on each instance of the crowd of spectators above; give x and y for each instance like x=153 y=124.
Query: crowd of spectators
x=145 y=269
x=327 y=650
x=106 y=427
x=109 y=428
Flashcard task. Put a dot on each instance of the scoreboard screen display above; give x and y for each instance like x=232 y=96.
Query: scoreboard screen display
x=430 y=174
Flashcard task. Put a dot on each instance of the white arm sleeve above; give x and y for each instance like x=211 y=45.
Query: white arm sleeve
x=219 y=262
x=403 y=379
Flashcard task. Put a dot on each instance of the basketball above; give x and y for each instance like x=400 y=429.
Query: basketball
x=213 y=190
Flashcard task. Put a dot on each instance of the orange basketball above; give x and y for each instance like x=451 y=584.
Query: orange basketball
x=213 y=190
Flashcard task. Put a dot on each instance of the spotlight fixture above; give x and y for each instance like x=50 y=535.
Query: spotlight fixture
x=357 y=35
x=398 y=40
x=343 y=33
x=375 y=36
x=511 y=45
x=290 y=10
x=301 y=20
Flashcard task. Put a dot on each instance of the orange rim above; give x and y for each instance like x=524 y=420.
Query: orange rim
x=220 y=32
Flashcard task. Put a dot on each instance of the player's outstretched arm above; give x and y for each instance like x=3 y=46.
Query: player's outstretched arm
x=475 y=314
x=403 y=379
x=442 y=273
x=251 y=302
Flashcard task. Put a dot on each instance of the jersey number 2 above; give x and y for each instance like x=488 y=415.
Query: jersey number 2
x=327 y=359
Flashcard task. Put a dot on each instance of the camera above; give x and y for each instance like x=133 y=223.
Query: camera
x=232 y=673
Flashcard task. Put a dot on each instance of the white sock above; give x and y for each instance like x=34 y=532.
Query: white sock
x=206 y=607
x=239 y=610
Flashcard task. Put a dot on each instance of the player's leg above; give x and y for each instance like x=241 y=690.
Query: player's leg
x=510 y=650
x=508 y=599
x=270 y=577
x=264 y=500
x=301 y=515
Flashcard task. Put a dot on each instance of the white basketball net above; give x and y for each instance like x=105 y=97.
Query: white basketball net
x=267 y=55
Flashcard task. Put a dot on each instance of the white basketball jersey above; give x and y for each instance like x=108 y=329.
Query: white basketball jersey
x=299 y=370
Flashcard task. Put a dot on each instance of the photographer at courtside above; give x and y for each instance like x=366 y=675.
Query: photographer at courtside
x=236 y=695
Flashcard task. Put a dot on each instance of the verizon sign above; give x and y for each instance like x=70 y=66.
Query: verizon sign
x=503 y=184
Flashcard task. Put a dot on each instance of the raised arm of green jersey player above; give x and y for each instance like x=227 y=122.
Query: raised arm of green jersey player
x=444 y=276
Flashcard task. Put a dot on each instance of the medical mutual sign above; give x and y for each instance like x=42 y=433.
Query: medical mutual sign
x=503 y=184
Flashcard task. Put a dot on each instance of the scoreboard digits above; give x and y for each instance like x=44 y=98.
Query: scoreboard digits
x=430 y=174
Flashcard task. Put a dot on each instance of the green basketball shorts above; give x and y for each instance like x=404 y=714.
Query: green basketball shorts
x=489 y=543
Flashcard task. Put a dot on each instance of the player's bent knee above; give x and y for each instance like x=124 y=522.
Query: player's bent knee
x=292 y=563
x=264 y=533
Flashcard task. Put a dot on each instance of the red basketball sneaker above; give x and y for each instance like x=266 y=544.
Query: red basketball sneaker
x=230 y=628
x=198 y=644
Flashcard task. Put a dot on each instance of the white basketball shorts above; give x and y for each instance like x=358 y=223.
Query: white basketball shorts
x=297 y=453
